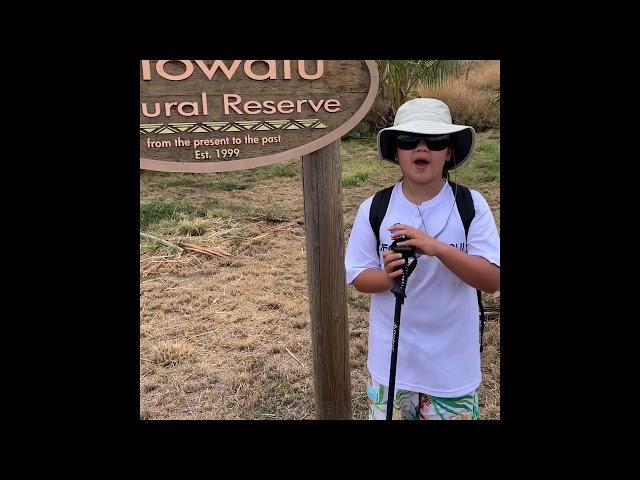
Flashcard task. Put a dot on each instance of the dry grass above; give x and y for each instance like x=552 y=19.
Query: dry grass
x=168 y=354
x=470 y=95
x=218 y=336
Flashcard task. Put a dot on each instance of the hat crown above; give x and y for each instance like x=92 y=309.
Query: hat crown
x=424 y=110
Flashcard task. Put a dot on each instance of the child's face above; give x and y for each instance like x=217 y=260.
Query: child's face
x=422 y=165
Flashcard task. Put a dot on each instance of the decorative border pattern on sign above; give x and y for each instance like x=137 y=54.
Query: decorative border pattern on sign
x=242 y=126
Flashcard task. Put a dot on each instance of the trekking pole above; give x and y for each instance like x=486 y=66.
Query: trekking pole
x=399 y=291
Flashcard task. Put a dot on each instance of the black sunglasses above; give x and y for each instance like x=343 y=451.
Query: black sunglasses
x=409 y=141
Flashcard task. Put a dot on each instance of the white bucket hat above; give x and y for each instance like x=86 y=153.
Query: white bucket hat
x=432 y=117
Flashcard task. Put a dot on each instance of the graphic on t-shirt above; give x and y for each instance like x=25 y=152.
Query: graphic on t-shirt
x=460 y=246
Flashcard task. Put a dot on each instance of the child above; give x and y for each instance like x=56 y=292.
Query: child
x=438 y=366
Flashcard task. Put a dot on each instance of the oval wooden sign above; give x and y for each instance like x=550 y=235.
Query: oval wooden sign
x=220 y=115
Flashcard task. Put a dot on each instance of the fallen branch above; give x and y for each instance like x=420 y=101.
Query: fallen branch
x=201 y=334
x=359 y=330
x=206 y=250
x=160 y=240
x=289 y=352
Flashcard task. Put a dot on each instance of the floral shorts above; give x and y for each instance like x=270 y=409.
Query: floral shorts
x=420 y=406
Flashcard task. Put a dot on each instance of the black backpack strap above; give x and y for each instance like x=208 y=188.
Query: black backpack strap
x=464 y=202
x=378 y=211
x=466 y=209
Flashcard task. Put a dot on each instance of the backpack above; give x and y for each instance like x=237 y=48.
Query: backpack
x=464 y=202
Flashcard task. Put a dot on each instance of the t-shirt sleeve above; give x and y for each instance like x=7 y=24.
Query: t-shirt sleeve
x=361 y=251
x=483 y=239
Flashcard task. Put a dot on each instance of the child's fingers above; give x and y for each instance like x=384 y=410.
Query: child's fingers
x=390 y=255
x=407 y=233
x=391 y=266
x=412 y=242
x=395 y=274
x=396 y=263
x=392 y=258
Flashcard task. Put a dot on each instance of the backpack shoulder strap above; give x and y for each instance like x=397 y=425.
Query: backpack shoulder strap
x=464 y=202
x=378 y=210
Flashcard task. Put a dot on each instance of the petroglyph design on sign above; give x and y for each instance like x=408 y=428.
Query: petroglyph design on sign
x=207 y=127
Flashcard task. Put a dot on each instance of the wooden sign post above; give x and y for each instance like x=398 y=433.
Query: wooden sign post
x=204 y=116
x=322 y=188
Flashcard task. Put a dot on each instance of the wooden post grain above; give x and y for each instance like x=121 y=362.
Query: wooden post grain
x=322 y=189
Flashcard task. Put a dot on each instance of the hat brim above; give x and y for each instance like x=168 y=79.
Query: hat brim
x=463 y=140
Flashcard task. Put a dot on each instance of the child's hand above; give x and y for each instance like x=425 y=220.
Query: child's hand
x=392 y=265
x=422 y=242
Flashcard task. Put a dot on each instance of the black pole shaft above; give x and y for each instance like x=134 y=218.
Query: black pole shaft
x=394 y=356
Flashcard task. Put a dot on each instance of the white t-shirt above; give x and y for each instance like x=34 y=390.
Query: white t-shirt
x=439 y=343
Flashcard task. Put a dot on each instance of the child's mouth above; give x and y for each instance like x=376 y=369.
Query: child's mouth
x=421 y=162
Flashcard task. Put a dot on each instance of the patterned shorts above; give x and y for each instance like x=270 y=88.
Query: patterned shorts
x=420 y=406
